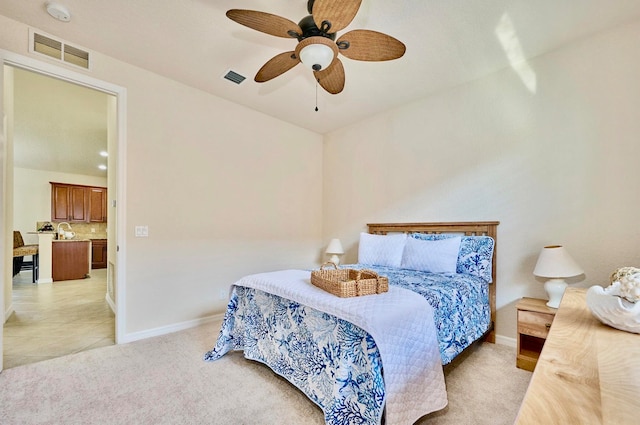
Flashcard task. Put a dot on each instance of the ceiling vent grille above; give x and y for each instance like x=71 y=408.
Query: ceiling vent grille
x=58 y=49
x=234 y=77
x=47 y=46
x=76 y=56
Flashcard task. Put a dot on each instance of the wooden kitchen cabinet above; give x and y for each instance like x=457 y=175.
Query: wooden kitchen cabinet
x=75 y=203
x=78 y=204
x=98 y=253
x=97 y=204
x=69 y=203
x=70 y=259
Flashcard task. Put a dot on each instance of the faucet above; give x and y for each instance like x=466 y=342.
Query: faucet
x=61 y=231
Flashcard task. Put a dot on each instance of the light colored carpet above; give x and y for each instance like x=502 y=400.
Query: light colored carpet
x=164 y=380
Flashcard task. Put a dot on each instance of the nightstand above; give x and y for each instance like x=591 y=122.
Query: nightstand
x=534 y=322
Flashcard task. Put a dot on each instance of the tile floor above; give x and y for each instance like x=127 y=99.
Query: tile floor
x=56 y=319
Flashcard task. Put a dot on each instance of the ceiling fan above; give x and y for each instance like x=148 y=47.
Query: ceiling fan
x=316 y=35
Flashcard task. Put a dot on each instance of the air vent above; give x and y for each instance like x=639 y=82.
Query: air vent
x=58 y=49
x=234 y=77
x=47 y=46
x=76 y=56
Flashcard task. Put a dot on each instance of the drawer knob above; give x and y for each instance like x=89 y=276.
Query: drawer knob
x=547 y=325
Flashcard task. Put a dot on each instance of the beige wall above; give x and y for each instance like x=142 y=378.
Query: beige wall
x=559 y=165
x=225 y=191
x=32 y=196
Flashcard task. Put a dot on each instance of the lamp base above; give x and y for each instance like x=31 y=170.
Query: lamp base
x=335 y=259
x=555 y=290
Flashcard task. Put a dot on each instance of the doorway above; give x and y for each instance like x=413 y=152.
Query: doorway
x=117 y=111
x=60 y=134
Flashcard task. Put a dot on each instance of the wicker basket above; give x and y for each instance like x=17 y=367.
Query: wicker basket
x=349 y=282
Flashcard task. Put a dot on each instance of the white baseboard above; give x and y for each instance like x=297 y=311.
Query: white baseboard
x=135 y=336
x=504 y=340
x=112 y=304
x=8 y=312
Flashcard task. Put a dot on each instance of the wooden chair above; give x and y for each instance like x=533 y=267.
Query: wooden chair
x=20 y=250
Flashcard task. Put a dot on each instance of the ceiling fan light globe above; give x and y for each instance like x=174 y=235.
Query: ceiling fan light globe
x=317 y=56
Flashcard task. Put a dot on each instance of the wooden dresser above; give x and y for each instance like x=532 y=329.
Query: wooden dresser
x=587 y=373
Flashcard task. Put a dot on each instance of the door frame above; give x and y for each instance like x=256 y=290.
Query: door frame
x=6 y=195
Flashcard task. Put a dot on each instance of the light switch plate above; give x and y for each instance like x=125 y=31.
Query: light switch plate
x=142 y=231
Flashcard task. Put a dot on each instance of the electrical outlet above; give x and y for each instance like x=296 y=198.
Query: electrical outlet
x=93 y=230
x=142 y=231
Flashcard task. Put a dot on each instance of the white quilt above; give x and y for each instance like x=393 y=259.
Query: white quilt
x=400 y=322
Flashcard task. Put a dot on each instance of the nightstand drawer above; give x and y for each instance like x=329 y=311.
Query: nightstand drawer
x=534 y=323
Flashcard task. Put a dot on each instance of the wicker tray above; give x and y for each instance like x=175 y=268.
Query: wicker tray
x=349 y=282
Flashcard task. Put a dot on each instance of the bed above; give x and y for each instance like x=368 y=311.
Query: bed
x=373 y=358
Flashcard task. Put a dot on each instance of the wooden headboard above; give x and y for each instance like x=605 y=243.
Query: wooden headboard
x=469 y=228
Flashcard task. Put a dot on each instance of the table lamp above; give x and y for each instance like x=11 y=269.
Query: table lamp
x=556 y=264
x=335 y=249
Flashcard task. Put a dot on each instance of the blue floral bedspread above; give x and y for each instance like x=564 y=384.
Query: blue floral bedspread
x=335 y=363
x=460 y=302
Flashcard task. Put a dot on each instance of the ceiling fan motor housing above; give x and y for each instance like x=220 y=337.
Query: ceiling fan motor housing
x=310 y=29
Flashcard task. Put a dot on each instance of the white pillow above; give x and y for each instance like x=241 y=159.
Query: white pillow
x=437 y=256
x=381 y=250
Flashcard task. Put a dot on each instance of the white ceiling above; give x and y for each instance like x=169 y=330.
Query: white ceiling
x=58 y=126
x=449 y=42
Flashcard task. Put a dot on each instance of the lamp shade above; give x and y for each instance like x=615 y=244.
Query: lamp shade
x=335 y=247
x=555 y=262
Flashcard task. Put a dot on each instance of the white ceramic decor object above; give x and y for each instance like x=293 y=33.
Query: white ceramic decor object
x=630 y=287
x=612 y=310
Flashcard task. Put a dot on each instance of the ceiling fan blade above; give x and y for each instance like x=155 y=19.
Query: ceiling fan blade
x=264 y=22
x=367 y=45
x=339 y=13
x=332 y=78
x=277 y=65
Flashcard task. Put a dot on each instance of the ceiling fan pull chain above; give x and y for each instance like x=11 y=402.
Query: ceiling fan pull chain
x=316 y=95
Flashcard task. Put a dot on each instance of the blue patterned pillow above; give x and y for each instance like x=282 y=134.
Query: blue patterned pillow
x=476 y=253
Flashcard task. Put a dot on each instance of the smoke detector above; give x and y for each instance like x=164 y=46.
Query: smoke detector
x=58 y=11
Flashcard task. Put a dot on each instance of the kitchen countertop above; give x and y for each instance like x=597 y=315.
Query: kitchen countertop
x=71 y=240
x=85 y=236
